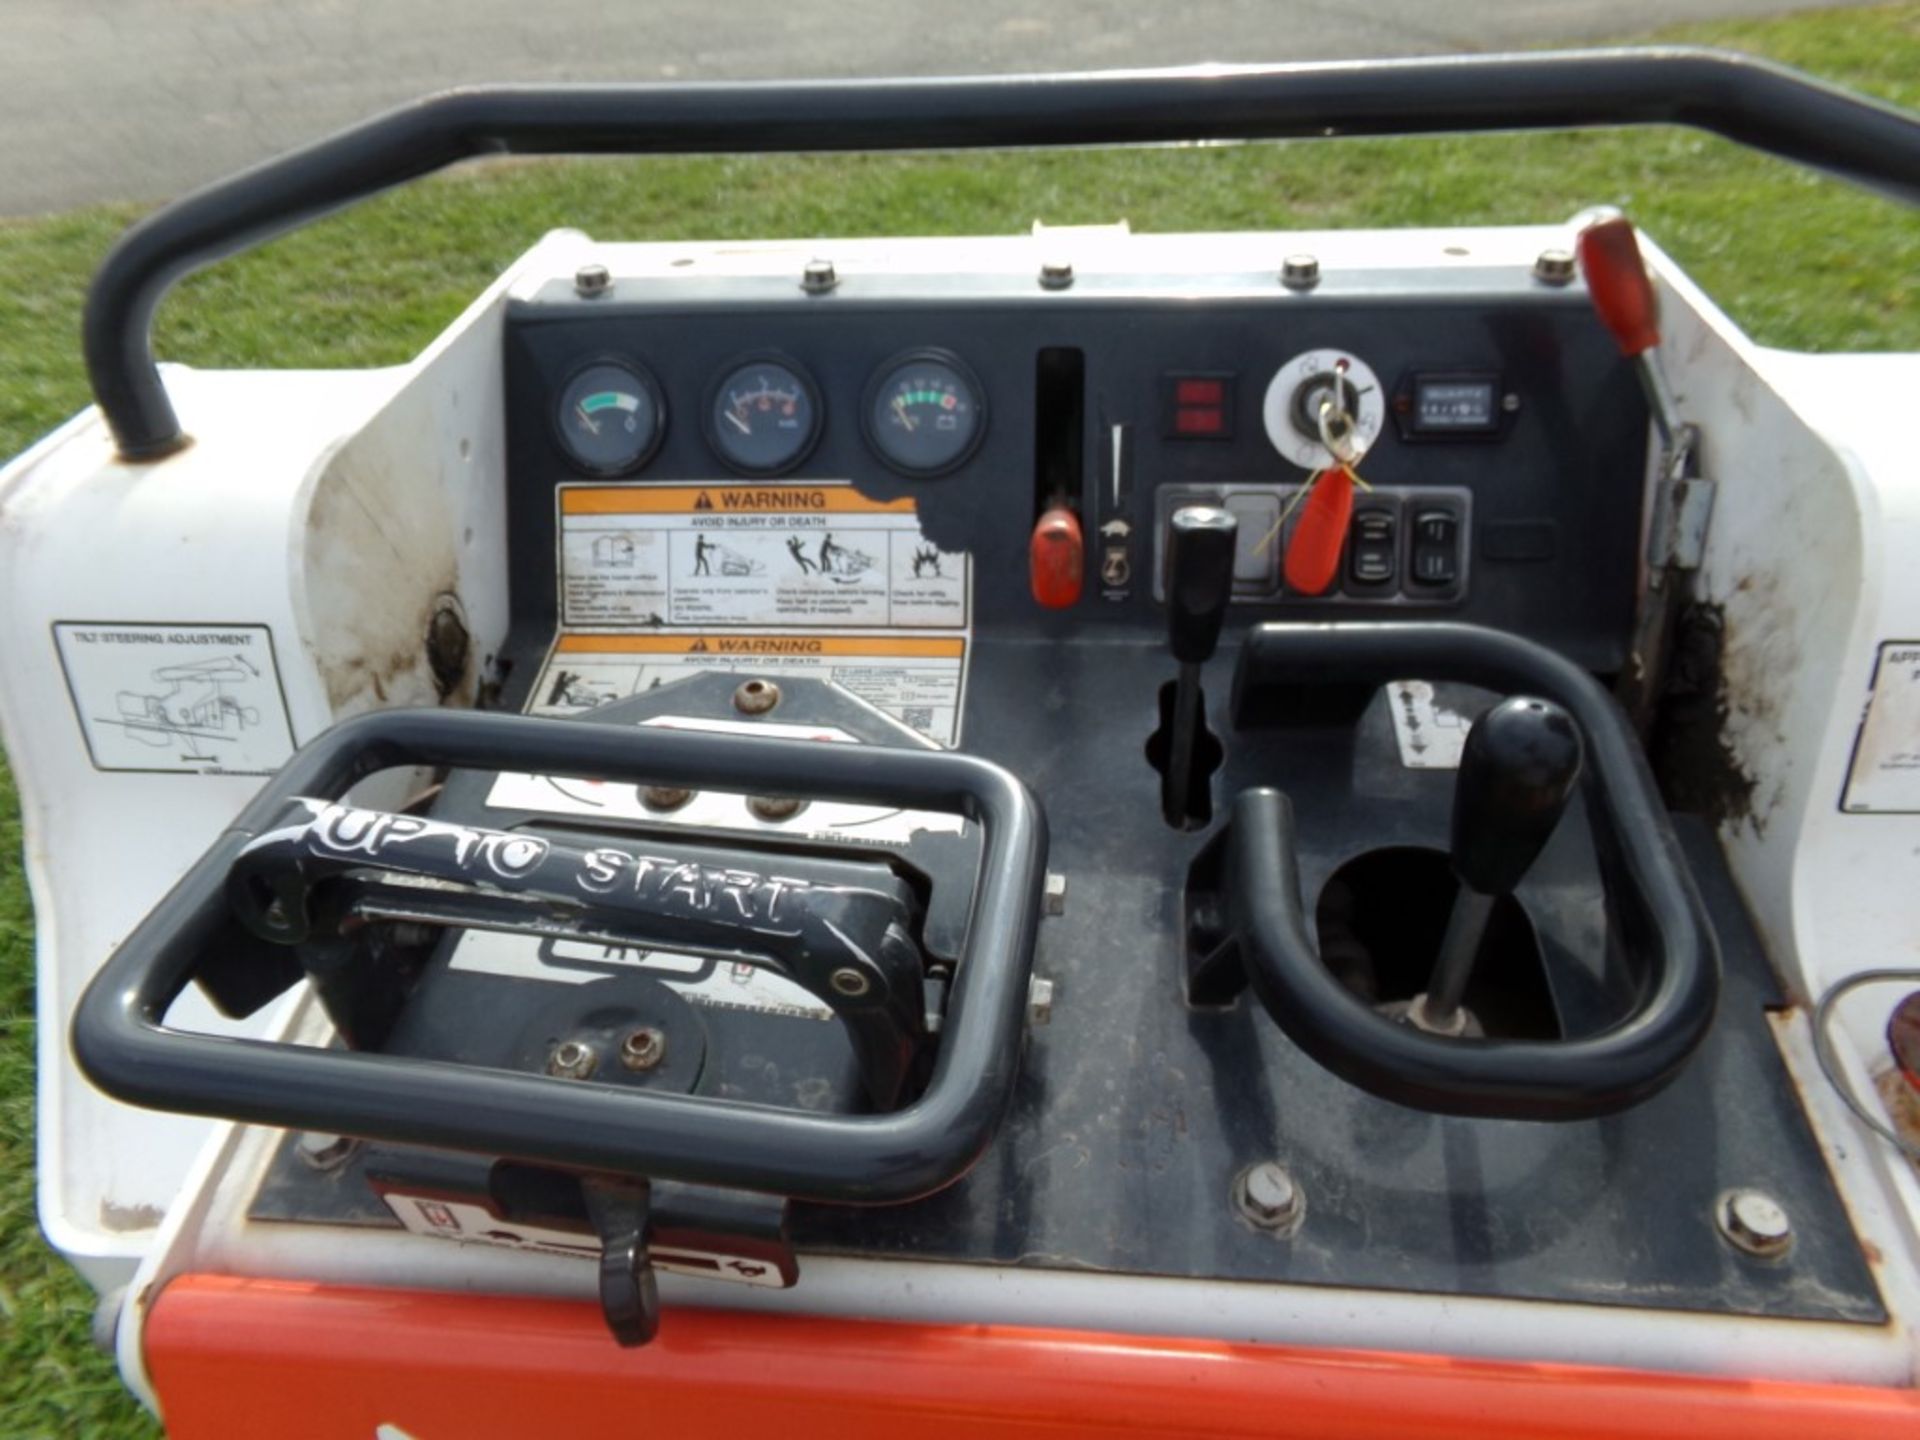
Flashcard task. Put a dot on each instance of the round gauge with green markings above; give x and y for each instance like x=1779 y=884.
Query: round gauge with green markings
x=925 y=413
x=610 y=418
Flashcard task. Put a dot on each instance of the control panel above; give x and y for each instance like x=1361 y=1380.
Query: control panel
x=1478 y=456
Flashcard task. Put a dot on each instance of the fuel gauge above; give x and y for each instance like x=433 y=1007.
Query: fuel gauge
x=765 y=417
x=610 y=418
x=924 y=413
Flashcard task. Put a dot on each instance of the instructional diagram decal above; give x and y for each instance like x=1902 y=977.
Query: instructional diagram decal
x=1884 y=778
x=177 y=699
x=816 y=555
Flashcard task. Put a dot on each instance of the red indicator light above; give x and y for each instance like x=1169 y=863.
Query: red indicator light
x=1190 y=421
x=1200 y=392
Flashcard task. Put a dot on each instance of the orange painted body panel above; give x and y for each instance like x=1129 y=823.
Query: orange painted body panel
x=234 y=1357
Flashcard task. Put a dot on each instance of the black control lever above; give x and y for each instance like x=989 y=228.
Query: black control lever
x=1200 y=546
x=843 y=929
x=1517 y=772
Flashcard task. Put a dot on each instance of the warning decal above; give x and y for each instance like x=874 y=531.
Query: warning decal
x=812 y=555
x=178 y=699
x=914 y=678
x=1885 y=776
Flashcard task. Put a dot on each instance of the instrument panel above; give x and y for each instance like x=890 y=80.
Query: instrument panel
x=992 y=406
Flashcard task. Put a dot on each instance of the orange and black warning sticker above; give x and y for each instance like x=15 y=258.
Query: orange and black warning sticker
x=807 y=555
x=917 y=679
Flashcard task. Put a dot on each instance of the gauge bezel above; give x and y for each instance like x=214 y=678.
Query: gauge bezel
x=710 y=419
x=657 y=395
x=877 y=382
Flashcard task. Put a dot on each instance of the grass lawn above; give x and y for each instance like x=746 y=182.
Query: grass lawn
x=1799 y=260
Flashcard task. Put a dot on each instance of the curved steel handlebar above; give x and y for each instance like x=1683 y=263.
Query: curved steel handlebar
x=1752 y=102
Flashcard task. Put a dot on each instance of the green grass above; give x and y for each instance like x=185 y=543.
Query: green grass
x=1799 y=260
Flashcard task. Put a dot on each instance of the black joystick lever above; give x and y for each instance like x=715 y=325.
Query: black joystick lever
x=1199 y=584
x=1517 y=772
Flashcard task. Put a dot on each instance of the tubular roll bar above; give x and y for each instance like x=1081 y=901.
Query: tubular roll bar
x=1757 y=104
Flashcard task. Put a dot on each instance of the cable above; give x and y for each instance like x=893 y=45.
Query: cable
x=1830 y=1063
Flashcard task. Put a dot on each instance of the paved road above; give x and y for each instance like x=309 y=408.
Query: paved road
x=144 y=99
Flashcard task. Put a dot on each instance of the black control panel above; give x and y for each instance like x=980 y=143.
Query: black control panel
x=1502 y=487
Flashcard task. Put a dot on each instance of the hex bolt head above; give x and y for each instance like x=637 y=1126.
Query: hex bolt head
x=774 y=807
x=1266 y=1196
x=664 y=797
x=592 y=280
x=756 y=697
x=818 y=277
x=643 y=1049
x=849 y=982
x=1039 y=1000
x=572 y=1060
x=1753 y=1221
x=1056 y=274
x=1054 y=898
x=1300 y=272
x=322 y=1151
x=1554 y=267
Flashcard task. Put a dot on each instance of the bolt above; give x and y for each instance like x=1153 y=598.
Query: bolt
x=1055 y=898
x=1753 y=1221
x=1554 y=267
x=1056 y=274
x=1039 y=1000
x=572 y=1060
x=643 y=1048
x=756 y=697
x=591 y=281
x=775 y=807
x=323 y=1151
x=849 y=982
x=448 y=645
x=664 y=797
x=1510 y=402
x=818 y=277
x=1300 y=272
x=1266 y=1195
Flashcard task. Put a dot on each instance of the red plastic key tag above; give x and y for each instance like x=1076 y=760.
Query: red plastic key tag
x=1313 y=554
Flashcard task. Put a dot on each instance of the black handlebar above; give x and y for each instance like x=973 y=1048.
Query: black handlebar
x=122 y=1044
x=1662 y=922
x=1752 y=102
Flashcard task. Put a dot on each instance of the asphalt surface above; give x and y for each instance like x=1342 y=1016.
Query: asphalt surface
x=146 y=99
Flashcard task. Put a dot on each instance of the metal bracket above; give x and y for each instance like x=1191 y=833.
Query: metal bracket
x=1682 y=508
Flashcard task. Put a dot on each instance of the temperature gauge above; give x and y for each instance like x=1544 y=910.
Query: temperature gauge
x=611 y=418
x=765 y=417
x=924 y=413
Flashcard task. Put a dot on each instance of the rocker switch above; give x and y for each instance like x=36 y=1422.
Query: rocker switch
x=1436 y=548
x=1372 y=548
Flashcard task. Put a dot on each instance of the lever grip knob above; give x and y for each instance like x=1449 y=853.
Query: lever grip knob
x=1517 y=772
x=1617 y=280
x=1199 y=579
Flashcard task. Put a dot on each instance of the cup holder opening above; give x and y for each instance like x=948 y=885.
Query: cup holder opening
x=1380 y=919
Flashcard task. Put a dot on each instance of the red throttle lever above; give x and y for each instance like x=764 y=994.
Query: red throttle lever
x=1057 y=559
x=1624 y=298
x=1617 y=280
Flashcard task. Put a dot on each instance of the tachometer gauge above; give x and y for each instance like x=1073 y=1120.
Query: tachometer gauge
x=925 y=414
x=610 y=418
x=765 y=417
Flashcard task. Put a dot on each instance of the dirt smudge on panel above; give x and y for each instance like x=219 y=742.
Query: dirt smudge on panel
x=380 y=561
